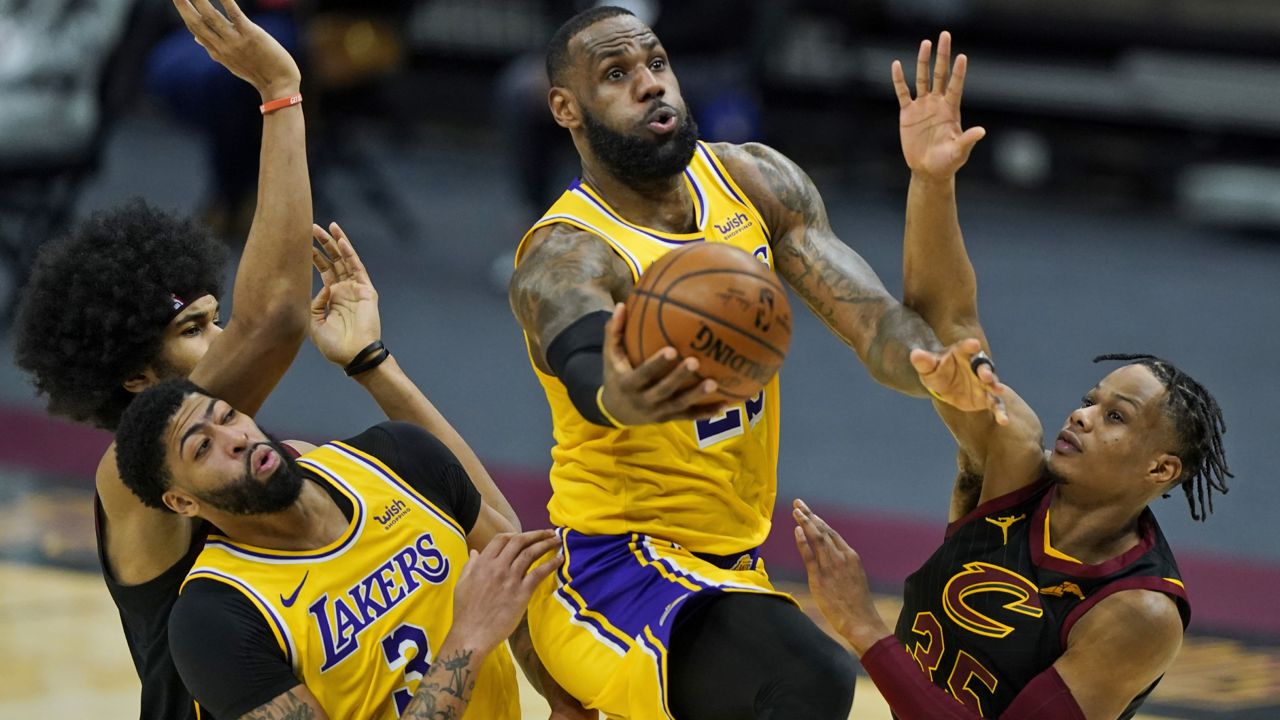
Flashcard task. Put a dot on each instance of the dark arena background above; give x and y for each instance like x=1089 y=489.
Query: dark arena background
x=1126 y=199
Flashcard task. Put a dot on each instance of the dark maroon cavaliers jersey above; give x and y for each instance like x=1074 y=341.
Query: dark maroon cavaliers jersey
x=993 y=607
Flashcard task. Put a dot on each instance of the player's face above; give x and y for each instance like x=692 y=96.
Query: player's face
x=222 y=458
x=1119 y=432
x=635 y=120
x=187 y=338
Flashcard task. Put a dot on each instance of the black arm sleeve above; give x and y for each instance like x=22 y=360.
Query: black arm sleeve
x=424 y=462
x=576 y=356
x=224 y=650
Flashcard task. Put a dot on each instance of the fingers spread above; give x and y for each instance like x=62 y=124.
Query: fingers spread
x=922 y=68
x=900 y=85
x=955 y=86
x=942 y=64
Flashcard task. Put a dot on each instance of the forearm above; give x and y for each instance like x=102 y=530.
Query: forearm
x=273 y=282
x=526 y=657
x=446 y=689
x=912 y=697
x=401 y=399
x=898 y=331
x=938 y=279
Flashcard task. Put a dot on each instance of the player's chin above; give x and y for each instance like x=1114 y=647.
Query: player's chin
x=1063 y=468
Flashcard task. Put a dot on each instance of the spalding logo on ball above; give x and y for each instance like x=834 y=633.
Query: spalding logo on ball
x=716 y=303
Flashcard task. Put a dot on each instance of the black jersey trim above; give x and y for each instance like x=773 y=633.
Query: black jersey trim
x=1146 y=582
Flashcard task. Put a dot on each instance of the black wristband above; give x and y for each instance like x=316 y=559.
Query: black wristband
x=576 y=357
x=367 y=359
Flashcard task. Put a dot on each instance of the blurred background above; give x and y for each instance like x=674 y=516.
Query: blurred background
x=1126 y=199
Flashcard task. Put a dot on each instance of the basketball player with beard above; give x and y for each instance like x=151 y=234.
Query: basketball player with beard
x=331 y=585
x=662 y=607
x=1054 y=595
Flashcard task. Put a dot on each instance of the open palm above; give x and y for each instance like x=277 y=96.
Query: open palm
x=933 y=142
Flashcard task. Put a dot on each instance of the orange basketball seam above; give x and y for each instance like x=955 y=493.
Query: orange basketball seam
x=663 y=299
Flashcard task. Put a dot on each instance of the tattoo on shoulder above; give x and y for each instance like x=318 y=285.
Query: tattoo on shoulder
x=285 y=707
x=788 y=185
x=566 y=275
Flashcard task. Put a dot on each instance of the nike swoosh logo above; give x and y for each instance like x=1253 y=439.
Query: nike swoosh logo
x=293 y=598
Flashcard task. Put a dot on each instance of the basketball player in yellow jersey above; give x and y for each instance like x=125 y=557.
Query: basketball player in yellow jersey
x=662 y=607
x=339 y=584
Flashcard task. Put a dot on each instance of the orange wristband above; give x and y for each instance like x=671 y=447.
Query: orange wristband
x=284 y=102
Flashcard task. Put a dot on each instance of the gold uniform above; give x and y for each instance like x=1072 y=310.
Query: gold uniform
x=651 y=516
x=360 y=620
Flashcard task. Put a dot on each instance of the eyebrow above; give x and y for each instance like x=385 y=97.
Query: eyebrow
x=648 y=43
x=208 y=411
x=1127 y=399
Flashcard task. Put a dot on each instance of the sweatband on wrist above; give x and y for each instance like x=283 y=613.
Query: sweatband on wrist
x=271 y=106
x=576 y=356
x=367 y=359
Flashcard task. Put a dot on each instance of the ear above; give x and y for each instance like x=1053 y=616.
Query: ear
x=181 y=503
x=141 y=381
x=564 y=108
x=1165 y=470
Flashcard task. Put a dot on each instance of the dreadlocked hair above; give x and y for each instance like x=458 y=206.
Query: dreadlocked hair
x=1198 y=424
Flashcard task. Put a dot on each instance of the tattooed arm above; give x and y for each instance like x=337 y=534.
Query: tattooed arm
x=833 y=280
x=296 y=704
x=489 y=601
x=565 y=275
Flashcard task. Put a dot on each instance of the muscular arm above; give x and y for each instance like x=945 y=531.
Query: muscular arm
x=446 y=688
x=833 y=280
x=564 y=274
x=296 y=704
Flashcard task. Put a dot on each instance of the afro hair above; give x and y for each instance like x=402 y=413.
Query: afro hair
x=95 y=309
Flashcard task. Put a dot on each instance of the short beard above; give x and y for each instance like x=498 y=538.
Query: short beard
x=641 y=161
x=246 y=496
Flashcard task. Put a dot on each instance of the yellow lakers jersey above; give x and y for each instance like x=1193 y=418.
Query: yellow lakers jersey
x=708 y=485
x=361 y=619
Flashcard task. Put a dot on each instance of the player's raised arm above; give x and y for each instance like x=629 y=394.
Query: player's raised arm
x=565 y=287
x=347 y=329
x=273 y=282
x=833 y=280
x=938 y=278
x=999 y=449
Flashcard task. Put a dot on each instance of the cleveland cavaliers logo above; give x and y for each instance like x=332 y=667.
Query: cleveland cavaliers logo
x=978 y=578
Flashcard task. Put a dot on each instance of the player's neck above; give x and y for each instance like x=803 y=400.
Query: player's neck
x=1090 y=532
x=664 y=205
x=311 y=522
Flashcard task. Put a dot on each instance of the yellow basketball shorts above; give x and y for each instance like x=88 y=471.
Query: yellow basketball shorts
x=602 y=628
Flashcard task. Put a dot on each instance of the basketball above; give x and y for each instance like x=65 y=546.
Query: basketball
x=716 y=303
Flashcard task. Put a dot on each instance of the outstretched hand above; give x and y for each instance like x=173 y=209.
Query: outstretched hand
x=837 y=581
x=344 y=314
x=933 y=142
x=660 y=389
x=239 y=45
x=952 y=378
